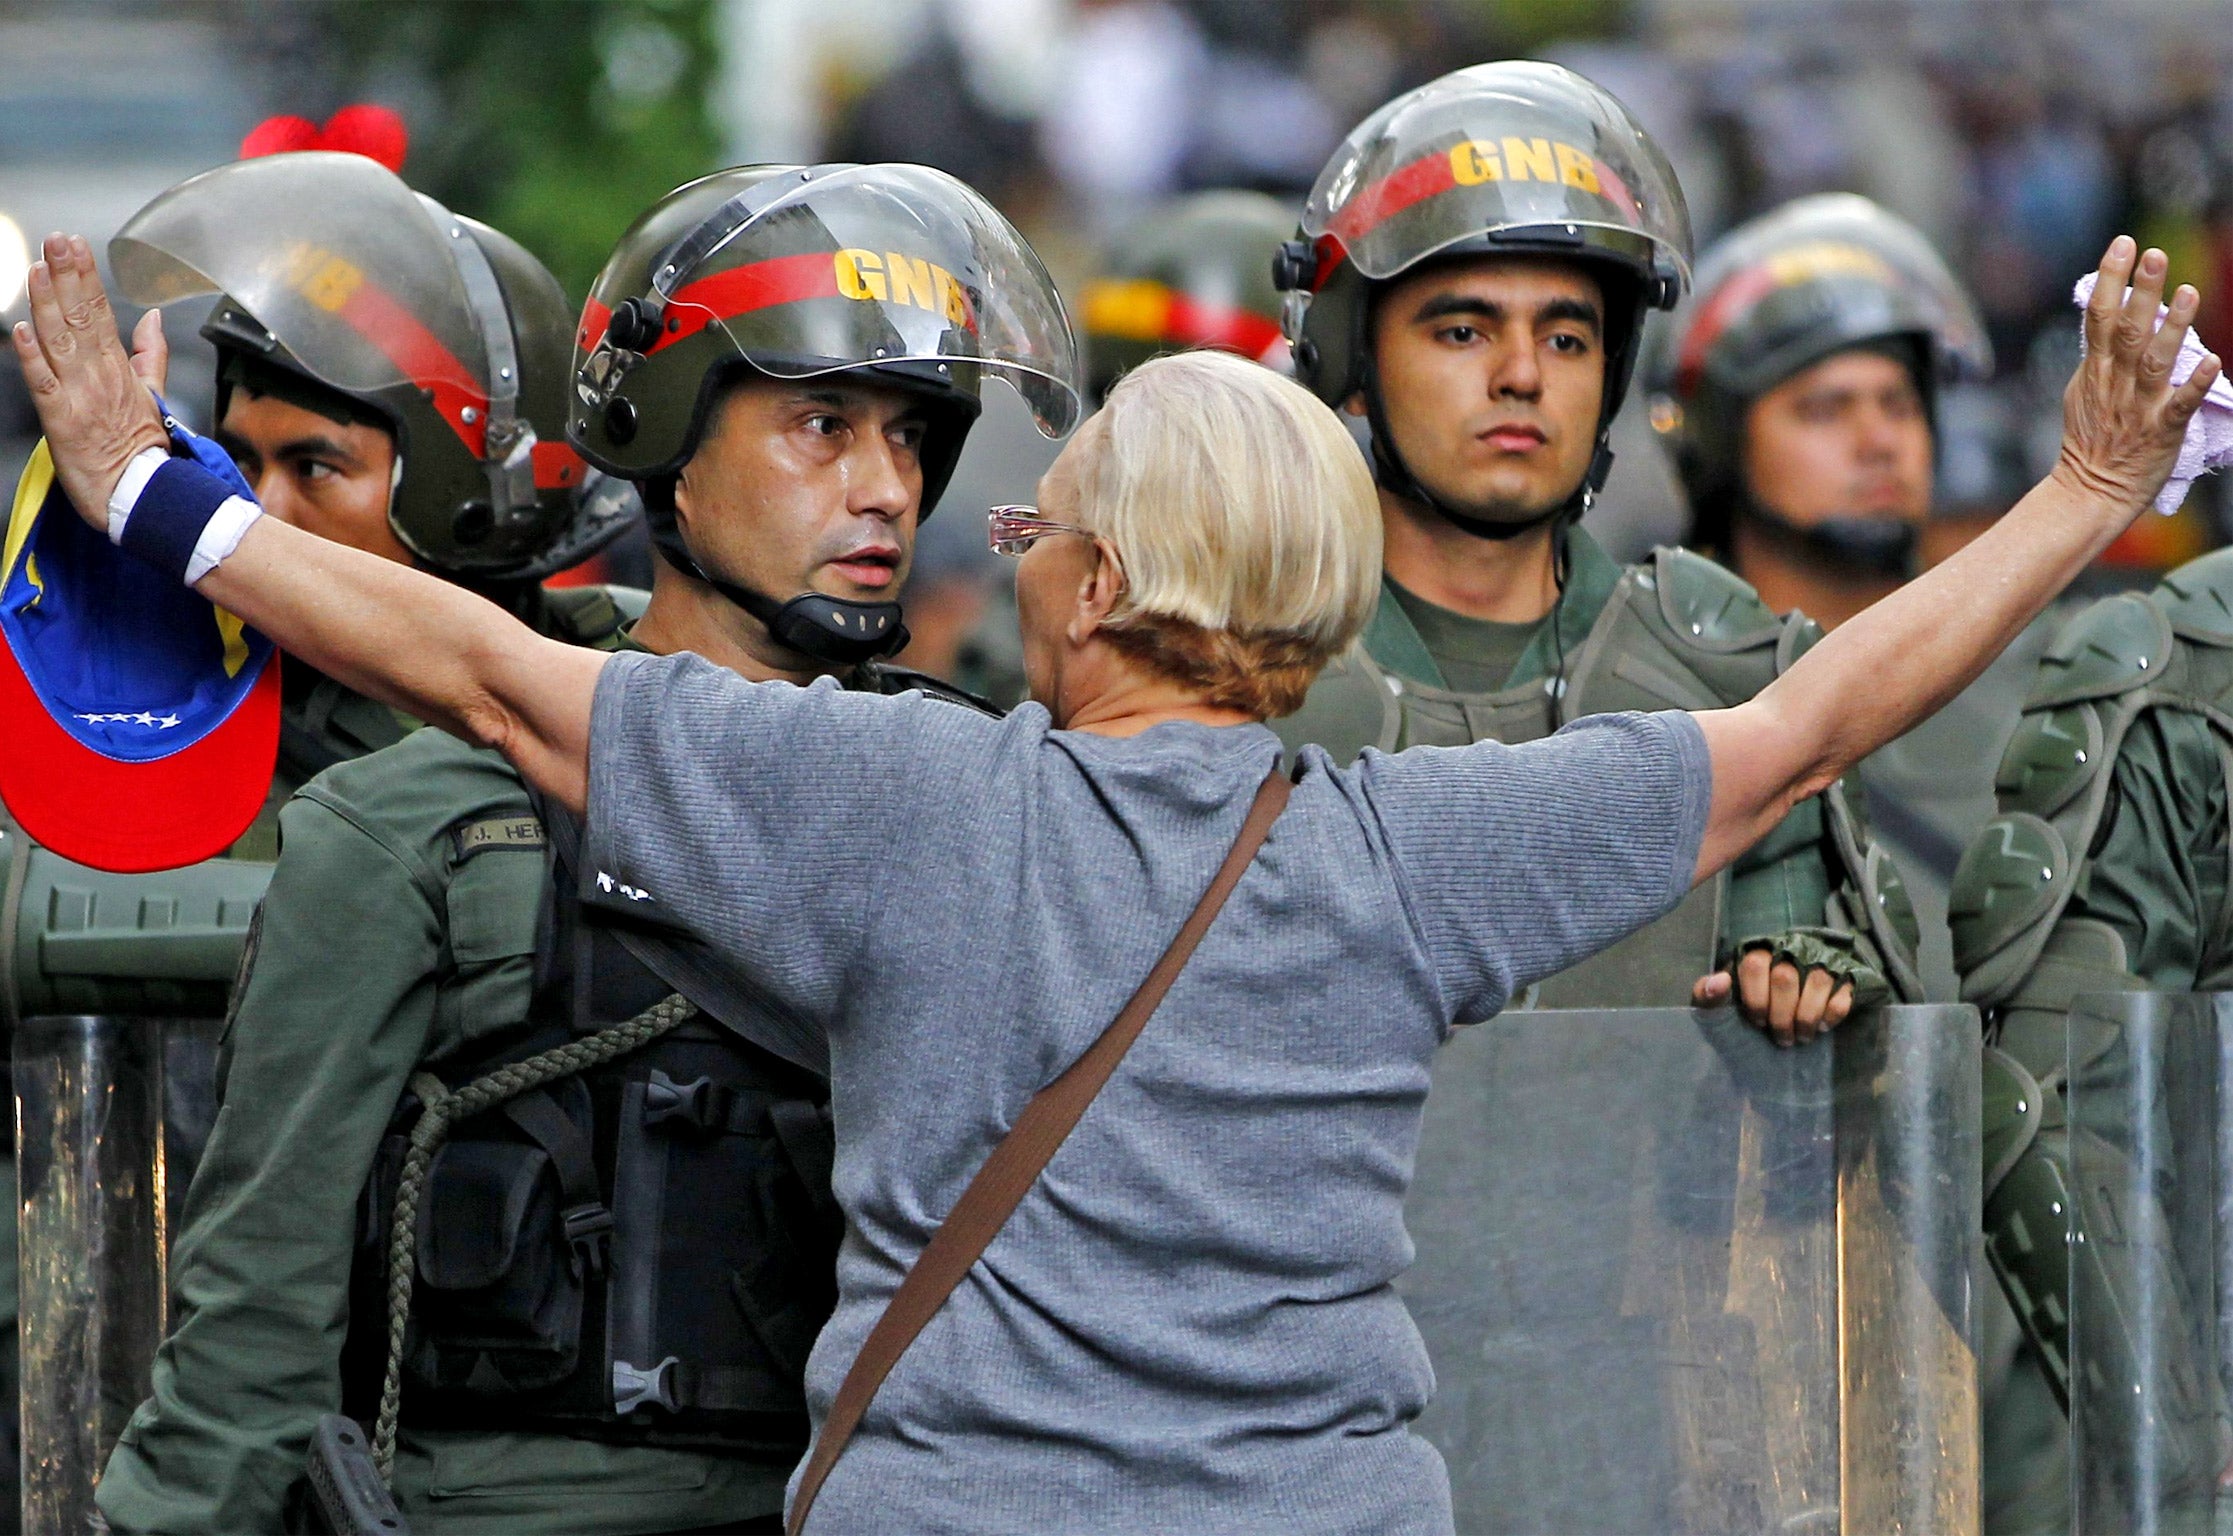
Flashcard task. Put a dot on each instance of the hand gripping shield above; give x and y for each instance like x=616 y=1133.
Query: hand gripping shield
x=897 y=270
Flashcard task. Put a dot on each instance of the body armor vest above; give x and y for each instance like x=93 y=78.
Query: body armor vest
x=2026 y=959
x=644 y=1252
x=1678 y=632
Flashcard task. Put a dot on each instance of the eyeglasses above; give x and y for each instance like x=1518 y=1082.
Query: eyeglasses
x=1012 y=530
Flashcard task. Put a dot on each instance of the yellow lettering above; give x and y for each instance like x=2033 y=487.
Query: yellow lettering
x=322 y=277
x=1530 y=160
x=1826 y=259
x=1575 y=168
x=860 y=274
x=910 y=280
x=952 y=299
x=1473 y=162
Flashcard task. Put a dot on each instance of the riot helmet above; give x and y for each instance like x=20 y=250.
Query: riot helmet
x=1196 y=272
x=1818 y=276
x=333 y=274
x=1507 y=159
x=897 y=272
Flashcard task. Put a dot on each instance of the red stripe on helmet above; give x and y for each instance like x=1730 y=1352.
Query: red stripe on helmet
x=1377 y=202
x=595 y=318
x=557 y=466
x=1191 y=323
x=741 y=290
x=420 y=356
x=1721 y=307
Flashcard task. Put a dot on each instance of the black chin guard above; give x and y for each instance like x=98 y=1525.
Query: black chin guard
x=834 y=628
x=837 y=630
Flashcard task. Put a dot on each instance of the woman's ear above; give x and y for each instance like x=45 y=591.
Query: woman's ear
x=1098 y=594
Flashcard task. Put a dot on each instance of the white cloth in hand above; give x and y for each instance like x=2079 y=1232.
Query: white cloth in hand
x=2209 y=436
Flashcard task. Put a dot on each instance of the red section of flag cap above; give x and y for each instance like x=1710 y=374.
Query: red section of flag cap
x=135 y=817
x=138 y=724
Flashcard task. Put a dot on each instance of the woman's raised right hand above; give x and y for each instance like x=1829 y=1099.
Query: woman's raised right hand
x=2122 y=418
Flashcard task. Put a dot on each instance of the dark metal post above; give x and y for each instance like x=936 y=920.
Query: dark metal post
x=89 y=1139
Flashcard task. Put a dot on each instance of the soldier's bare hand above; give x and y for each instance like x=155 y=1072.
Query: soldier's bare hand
x=2122 y=418
x=93 y=398
x=1772 y=995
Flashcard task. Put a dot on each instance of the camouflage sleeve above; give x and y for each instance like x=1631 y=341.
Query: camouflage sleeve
x=1780 y=883
x=335 y=1008
x=2157 y=871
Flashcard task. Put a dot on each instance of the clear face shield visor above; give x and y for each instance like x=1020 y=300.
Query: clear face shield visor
x=836 y=268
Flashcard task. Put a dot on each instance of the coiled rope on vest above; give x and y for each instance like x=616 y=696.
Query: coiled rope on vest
x=443 y=1109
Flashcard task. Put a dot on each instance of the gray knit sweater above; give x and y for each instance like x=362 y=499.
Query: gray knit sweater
x=1188 y=1326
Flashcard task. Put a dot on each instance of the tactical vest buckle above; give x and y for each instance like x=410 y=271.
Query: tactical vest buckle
x=632 y=1388
x=589 y=1231
x=701 y=1104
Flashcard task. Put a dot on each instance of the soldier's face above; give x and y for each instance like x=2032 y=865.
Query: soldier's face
x=1844 y=437
x=813 y=485
x=1492 y=373
x=324 y=477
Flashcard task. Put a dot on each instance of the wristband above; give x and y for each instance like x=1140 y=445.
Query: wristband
x=128 y=488
x=183 y=521
x=181 y=514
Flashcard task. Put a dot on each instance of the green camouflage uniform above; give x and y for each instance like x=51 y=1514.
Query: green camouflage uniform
x=2105 y=871
x=1675 y=632
x=370 y=959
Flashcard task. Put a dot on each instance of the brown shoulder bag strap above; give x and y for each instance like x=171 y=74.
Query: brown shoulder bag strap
x=1015 y=1165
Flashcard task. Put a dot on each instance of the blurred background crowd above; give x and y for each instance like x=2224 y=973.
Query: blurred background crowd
x=2017 y=134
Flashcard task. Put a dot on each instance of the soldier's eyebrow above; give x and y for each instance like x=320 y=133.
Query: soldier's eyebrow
x=1444 y=305
x=315 y=446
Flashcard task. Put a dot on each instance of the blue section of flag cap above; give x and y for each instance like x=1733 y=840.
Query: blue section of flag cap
x=125 y=686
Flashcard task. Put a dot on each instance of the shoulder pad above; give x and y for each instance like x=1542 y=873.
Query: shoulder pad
x=592 y=615
x=2117 y=645
x=890 y=679
x=2052 y=756
x=2011 y=883
x=2198 y=598
x=1709 y=605
x=1799 y=636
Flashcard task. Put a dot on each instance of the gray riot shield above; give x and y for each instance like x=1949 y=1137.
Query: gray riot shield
x=113 y=985
x=1674 y=1279
x=2151 y=1272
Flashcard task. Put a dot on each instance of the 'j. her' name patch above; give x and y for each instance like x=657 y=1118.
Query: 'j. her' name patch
x=497 y=832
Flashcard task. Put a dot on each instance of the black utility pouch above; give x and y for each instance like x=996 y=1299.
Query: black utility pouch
x=510 y=1236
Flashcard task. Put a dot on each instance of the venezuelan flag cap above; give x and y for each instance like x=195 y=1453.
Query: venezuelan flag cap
x=138 y=722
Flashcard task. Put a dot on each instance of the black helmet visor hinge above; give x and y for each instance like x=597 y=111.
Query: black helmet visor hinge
x=635 y=322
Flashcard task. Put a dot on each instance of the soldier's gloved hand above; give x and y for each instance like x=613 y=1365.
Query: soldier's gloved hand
x=1796 y=984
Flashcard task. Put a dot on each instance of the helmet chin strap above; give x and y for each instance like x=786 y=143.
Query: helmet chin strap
x=1853 y=545
x=1394 y=475
x=837 y=630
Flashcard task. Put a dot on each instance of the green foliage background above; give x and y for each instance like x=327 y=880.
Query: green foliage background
x=516 y=118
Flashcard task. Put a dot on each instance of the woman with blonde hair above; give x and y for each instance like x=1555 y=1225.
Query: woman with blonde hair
x=1177 y=1315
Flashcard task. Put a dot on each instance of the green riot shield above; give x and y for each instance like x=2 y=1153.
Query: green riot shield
x=1673 y=1279
x=2151 y=1272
